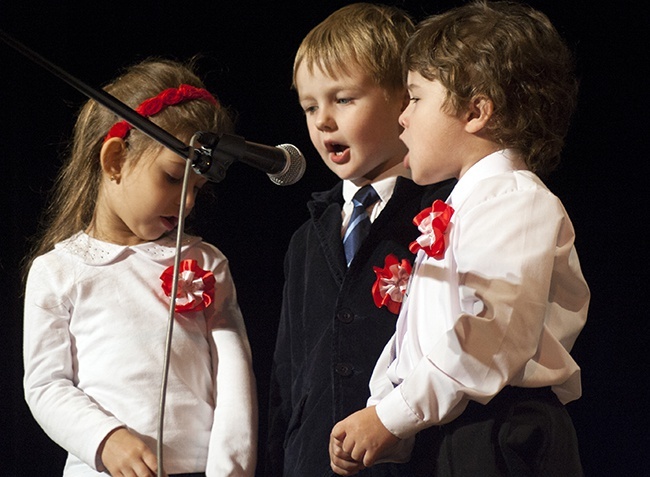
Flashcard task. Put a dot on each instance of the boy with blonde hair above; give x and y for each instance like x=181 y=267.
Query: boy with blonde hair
x=482 y=346
x=347 y=74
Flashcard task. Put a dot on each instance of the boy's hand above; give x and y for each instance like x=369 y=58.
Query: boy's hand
x=358 y=441
x=340 y=461
x=123 y=453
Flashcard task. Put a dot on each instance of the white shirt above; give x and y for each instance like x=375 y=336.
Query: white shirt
x=384 y=184
x=503 y=307
x=96 y=320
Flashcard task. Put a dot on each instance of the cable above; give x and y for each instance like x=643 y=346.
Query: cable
x=172 y=313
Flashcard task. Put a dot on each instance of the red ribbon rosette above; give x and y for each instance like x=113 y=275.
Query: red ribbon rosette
x=392 y=280
x=432 y=222
x=195 y=286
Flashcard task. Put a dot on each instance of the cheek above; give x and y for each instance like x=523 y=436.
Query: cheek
x=429 y=132
x=378 y=132
x=314 y=134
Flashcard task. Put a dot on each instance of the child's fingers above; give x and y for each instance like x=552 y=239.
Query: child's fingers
x=150 y=460
x=341 y=461
x=342 y=464
x=346 y=468
x=336 y=450
x=338 y=431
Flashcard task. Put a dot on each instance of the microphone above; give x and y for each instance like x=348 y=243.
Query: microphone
x=284 y=164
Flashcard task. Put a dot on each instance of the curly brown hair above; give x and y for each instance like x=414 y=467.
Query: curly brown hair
x=511 y=54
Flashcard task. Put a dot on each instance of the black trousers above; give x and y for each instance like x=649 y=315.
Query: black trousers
x=521 y=432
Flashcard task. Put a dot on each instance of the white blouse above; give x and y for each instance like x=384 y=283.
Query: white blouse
x=502 y=307
x=95 y=327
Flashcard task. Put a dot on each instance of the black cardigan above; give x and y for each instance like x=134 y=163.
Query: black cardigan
x=331 y=333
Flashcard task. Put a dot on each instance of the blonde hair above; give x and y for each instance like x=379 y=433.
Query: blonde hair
x=512 y=54
x=77 y=185
x=366 y=36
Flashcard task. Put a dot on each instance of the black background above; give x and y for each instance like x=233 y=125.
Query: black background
x=248 y=50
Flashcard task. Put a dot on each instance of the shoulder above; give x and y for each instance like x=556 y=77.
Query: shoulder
x=53 y=273
x=326 y=197
x=324 y=203
x=208 y=254
x=516 y=190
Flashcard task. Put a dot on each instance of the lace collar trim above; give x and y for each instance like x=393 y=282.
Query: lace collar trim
x=95 y=252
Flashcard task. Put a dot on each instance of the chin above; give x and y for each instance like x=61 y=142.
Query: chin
x=343 y=172
x=423 y=180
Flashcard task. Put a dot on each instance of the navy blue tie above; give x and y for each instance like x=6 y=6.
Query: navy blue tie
x=359 y=224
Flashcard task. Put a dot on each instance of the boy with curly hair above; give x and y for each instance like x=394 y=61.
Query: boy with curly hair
x=497 y=298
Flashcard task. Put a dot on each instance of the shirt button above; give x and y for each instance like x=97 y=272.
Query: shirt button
x=345 y=316
x=344 y=369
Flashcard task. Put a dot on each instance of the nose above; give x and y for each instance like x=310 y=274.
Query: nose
x=189 y=201
x=403 y=118
x=325 y=120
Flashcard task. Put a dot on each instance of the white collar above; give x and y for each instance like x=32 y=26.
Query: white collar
x=506 y=160
x=92 y=251
x=384 y=183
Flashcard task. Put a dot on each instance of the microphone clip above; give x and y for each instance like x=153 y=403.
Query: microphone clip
x=204 y=159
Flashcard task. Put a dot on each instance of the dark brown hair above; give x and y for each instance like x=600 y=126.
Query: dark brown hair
x=512 y=54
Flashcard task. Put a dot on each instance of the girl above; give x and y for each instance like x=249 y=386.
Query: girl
x=97 y=299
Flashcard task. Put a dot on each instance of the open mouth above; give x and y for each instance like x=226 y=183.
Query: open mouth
x=338 y=152
x=336 y=149
x=170 y=222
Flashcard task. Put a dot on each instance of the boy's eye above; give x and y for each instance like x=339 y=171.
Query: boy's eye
x=309 y=109
x=344 y=100
x=413 y=99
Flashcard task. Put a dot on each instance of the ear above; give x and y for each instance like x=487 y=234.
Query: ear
x=112 y=157
x=478 y=114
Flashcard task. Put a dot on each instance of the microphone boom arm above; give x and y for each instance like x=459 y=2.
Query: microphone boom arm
x=152 y=130
x=216 y=152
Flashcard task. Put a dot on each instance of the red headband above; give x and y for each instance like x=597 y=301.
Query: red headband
x=151 y=106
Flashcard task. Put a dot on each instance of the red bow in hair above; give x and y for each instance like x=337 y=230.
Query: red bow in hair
x=152 y=106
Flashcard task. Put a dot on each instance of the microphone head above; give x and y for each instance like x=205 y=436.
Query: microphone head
x=294 y=168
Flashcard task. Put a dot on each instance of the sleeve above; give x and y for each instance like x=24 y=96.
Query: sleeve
x=233 y=441
x=66 y=413
x=505 y=249
x=380 y=385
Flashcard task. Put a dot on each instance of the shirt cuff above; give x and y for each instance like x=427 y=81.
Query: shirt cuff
x=397 y=416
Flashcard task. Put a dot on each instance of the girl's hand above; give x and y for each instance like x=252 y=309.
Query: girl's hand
x=123 y=453
x=358 y=441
